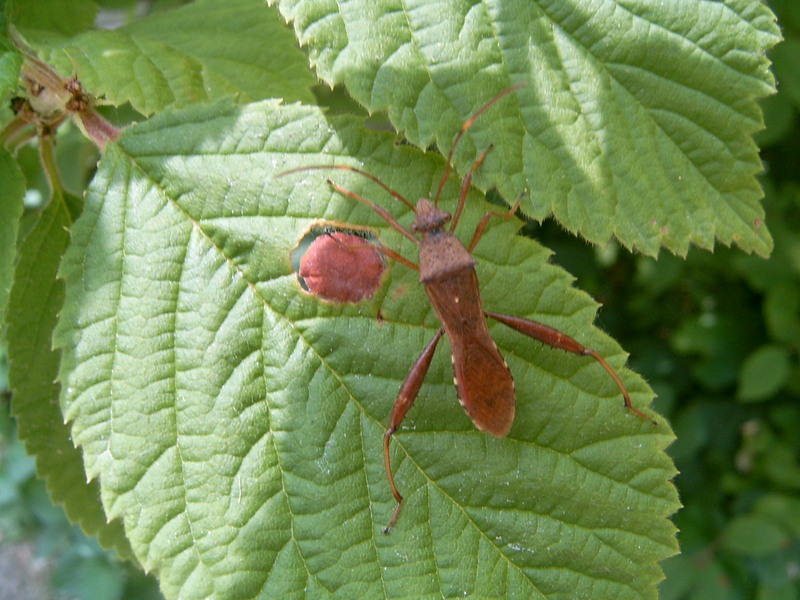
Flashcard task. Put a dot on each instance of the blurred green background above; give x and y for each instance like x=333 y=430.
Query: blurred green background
x=716 y=335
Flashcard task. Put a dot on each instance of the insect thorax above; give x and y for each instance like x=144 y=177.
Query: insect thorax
x=441 y=254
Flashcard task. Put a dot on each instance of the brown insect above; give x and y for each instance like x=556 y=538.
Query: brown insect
x=342 y=267
x=447 y=271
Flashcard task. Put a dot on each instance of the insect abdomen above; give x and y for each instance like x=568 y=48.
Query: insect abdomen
x=483 y=381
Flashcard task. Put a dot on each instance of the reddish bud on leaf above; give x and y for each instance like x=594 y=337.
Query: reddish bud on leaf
x=342 y=267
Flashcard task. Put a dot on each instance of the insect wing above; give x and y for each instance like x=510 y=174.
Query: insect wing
x=484 y=384
x=483 y=381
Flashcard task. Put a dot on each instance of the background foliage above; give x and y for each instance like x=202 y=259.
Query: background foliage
x=715 y=335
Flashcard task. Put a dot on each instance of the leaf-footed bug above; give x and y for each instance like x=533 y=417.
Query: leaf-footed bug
x=446 y=268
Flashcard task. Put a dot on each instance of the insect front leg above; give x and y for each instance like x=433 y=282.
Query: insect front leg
x=485 y=221
x=558 y=339
x=405 y=399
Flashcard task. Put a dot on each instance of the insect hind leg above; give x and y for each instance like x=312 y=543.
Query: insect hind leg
x=558 y=339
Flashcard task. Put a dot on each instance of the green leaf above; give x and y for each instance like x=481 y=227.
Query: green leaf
x=35 y=301
x=636 y=122
x=92 y=577
x=681 y=576
x=788 y=591
x=782 y=311
x=753 y=535
x=235 y=423
x=10 y=61
x=713 y=584
x=46 y=21
x=784 y=263
x=200 y=52
x=12 y=193
x=782 y=509
x=692 y=429
x=720 y=341
x=763 y=373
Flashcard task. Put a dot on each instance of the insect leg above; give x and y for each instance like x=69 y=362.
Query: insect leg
x=463 y=130
x=485 y=221
x=395 y=256
x=378 y=209
x=405 y=399
x=462 y=196
x=369 y=176
x=557 y=339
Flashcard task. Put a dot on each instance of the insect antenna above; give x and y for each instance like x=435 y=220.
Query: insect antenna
x=464 y=128
x=369 y=176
